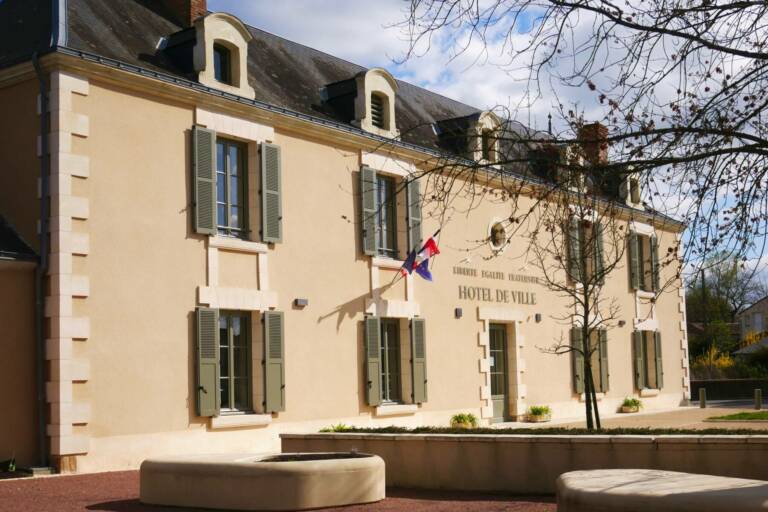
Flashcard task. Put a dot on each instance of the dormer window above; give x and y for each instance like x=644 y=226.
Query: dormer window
x=220 y=54
x=374 y=92
x=222 y=64
x=378 y=111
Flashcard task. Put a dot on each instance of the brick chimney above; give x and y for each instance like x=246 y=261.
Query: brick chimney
x=593 y=139
x=185 y=12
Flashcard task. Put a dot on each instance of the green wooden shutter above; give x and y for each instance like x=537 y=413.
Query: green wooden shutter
x=271 y=189
x=599 y=259
x=655 y=264
x=413 y=197
x=574 y=250
x=204 y=179
x=274 y=361
x=368 y=210
x=635 y=270
x=419 y=360
x=578 y=359
x=659 y=363
x=637 y=341
x=373 y=360
x=604 y=373
x=207 y=352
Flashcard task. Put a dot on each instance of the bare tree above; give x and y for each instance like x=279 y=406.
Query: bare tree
x=680 y=84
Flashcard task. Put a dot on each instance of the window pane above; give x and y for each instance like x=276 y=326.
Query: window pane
x=234 y=190
x=234 y=217
x=224 y=390
x=241 y=401
x=221 y=215
x=234 y=160
x=220 y=156
x=221 y=190
x=241 y=362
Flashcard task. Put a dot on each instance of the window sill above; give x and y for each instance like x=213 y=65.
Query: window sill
x=240 y=420
x=385 y=262
x=599 y=396
x=647 y=392
x=396 y=409
x=237 y=244
x=642 y=294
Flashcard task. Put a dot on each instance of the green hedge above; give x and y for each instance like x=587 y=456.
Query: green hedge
x=545 y=431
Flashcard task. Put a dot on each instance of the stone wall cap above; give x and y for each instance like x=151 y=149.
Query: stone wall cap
x=671 y=439
x=633 y=439
x=591 y=439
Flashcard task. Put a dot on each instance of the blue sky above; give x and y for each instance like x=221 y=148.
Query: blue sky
x=366 y=32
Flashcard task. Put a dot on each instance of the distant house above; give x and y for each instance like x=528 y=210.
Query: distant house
x=753 y=325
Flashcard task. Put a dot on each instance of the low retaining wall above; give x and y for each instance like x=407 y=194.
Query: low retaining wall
x=729 y=389
x=530 y=464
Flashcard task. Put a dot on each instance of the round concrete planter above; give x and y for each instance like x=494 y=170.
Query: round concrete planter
x=629 y=408
x=465 y=426
x=287 y=481
x=539 y=418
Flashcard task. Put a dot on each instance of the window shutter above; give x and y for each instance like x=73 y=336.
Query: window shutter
x=207 y=352
x=659 y=364
x=604 y=373
x=274 y=361
x=634 y=261
x=373 y=360
x=368 y=210
x=413 y=197
x=574 y=250
x=419 y=360
x=577 y=359
x=204 y=179
x=655 y=264
x=271 y=188
x=637 y=341
x=599 y=253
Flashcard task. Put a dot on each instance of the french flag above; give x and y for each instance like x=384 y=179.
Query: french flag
x=419 y=261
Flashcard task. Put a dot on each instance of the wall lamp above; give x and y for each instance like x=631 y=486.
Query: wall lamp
x=300 y=303
x=538 y=317
x=458 y=313
x=622 y=323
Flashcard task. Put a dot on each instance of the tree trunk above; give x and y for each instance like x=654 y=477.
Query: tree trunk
x=591 y=380
x=588 y=394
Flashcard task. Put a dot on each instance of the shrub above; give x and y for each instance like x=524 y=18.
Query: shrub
x=632 y=402
x=539 y=410
x=340 y=427
x=464 y=418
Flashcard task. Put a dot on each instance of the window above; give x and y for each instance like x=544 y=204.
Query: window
x=487 y=141
x=498 y=236
x=757 y=321
x=390 y=360
x=598 y=352
x=585 y=252
x=386 y=215
x=378 y=111
x=234 y=361
x=649 y=372
x=634 y=190
x=231 y=188
x=644 y=262
x=222 y=64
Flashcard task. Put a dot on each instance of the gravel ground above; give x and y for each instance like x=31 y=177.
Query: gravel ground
x=119 y=492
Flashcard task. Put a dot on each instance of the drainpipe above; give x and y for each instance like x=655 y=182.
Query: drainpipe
x=42 y=266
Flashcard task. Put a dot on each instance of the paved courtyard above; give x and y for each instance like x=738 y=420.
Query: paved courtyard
x=683 y=418
x=119 y=492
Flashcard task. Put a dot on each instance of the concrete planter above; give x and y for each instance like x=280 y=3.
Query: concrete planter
x=539 y=418
x=465 y=426
x=472 y=462
x=628 y=409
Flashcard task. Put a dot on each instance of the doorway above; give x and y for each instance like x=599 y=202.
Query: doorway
x=499 y=377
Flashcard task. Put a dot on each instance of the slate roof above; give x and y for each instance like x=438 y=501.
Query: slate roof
x=12 y=246
x=282 y=72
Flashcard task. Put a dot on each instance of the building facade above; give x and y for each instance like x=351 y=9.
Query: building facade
x=225 y=216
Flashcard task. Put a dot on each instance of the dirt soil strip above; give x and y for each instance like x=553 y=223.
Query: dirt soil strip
x=119 y=492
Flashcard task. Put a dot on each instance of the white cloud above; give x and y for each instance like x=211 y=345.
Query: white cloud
x=366 y=33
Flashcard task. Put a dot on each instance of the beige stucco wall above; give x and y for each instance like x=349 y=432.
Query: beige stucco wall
x=145 y=269
x=18 y=398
